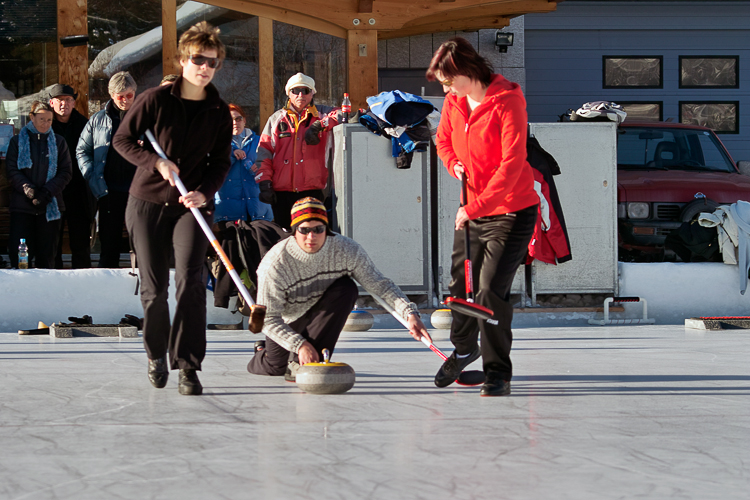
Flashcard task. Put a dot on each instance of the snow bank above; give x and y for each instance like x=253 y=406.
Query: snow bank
x=30 y=296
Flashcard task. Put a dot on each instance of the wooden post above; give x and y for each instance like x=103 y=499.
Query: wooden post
x=265 y=65
x=73 y=62
x=362 y=56
x=169 y=56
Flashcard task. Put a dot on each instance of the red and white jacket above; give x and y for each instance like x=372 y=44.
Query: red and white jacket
x=285 y=159
x=491 y=144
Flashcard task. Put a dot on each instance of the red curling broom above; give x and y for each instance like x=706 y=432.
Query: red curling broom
x=467 y=306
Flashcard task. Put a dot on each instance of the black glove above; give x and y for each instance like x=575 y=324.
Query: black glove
x=43 y=196
x=131 y=320
x=85 y=320
x=30 y=191
x=267 y=194
x=312 y=136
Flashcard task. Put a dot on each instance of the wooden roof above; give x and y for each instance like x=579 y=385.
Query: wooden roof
x=391 y=18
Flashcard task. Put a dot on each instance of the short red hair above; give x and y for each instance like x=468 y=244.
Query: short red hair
x=457 y=57
x=234 y=107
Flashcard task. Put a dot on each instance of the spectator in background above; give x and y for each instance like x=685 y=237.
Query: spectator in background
x=79 y=204
x=290 y=168
x=39 y=167
x=238 y=197
x=168 y=80
x=107 y=173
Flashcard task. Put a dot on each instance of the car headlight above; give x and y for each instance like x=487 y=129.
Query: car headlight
x=638 y=210
x=621 y=210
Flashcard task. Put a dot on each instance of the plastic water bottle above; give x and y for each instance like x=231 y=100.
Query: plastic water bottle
x=23 y=255
x=346 y=108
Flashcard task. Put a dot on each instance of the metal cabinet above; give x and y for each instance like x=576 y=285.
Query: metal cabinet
x=384 y=209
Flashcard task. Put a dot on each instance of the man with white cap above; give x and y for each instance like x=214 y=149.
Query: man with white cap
x=291 y=160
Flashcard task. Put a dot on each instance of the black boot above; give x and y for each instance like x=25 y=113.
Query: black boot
x=189 y=385
x=495 y=385
x=158 y=372
x=453 y=366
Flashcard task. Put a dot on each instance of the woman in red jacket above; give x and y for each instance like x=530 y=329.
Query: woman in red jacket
x=482 y=135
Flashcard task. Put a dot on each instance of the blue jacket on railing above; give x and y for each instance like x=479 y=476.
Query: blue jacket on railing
x=238 y=197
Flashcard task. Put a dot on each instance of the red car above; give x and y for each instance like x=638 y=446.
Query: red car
x=667 y=173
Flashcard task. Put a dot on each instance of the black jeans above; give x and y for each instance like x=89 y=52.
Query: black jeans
x=154 y=229
x=111 y=223
x=321 y=326
x=285 y=200
x=498 y=246
x=41 y=239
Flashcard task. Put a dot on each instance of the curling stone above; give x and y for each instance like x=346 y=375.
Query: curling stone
x=441 y=319
x=325 y=377
x=359 y=321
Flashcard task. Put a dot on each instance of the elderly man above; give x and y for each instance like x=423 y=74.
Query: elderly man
x=291 y=160
x=306 y=284
x=108 y=174
x=79 y=214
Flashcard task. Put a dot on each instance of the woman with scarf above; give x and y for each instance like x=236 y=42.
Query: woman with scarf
x=39 y=167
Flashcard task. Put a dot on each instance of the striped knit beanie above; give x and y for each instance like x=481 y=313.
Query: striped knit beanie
x=308 y=209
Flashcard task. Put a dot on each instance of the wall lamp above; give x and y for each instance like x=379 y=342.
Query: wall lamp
x=74 y=40
x=503 y=40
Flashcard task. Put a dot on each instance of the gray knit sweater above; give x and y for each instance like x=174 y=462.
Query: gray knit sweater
x=291 y=281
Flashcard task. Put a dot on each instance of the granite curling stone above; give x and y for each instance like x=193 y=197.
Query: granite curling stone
x=441 y=319
x=326 y=377
x=359 y=321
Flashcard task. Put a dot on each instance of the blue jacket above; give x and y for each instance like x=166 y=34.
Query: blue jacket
x=237 y=199
x=92 y=150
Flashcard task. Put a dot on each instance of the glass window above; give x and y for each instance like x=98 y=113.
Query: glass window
x=632 y=71
x=642 y=111
x=721 y=117
x=320 y=56
x=713 y=72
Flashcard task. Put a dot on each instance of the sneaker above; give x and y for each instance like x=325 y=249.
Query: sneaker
x=260 y=345
x=189 y=384
x=453 y=366
x=291 y=371
x=495 y=386
x=158 y=372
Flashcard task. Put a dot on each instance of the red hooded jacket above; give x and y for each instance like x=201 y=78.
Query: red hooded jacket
x=491 y=144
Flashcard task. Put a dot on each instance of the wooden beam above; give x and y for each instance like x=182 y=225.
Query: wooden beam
x=73 y=62
x=169 y=56
x=365 y=6
x=362 y=58
x=265 y=65
x=495 y=22
x=284 y=15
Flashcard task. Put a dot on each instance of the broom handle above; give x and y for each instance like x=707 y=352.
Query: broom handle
x=401 y=320
x=204 y=225
x=468 y=271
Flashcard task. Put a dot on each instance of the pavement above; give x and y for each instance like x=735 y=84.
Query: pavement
x=615 y=412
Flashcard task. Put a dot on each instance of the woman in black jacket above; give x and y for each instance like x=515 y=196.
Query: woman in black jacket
x=39 y=167
x=194 y=128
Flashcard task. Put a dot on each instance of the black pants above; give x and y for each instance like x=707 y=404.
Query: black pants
x=41 y=239
x=154 y=229
x=111 y=223
x=285 y=200
x=77 y=216
x=321 y=326
x=498 y=246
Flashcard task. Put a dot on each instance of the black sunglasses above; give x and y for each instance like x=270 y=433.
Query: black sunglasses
x=198 y=60
x=308 y=230
x=300 y=90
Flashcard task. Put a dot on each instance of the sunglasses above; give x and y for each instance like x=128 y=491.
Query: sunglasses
x=307 y=230
x=300 y=90
x=237 y=119
x=123 y=97
x=198 y=60
x=447 y=83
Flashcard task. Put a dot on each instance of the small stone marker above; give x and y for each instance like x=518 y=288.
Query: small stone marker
x=325 y=377
x=441 y=319
x=359 y=321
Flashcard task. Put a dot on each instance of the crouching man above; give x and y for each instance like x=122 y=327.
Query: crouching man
x=306 y=284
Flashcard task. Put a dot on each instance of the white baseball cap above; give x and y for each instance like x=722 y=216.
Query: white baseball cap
x=300 y=80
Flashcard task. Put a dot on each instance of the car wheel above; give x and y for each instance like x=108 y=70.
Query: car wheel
x=695 y=207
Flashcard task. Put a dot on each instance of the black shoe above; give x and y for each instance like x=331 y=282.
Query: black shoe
x=158 y=372
x=453 y=366
x=189 y=384
x=495 y=386
x=291 y=371
x=260 y=345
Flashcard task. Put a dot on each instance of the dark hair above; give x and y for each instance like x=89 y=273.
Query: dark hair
x=234 y=107
x=457 y=57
